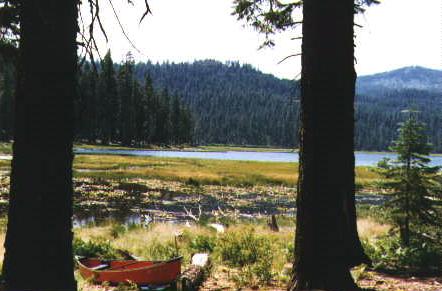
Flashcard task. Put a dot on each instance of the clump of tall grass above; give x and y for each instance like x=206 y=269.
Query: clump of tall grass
x=258 y=255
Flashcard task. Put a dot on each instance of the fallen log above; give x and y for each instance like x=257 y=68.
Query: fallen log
x=195 y=275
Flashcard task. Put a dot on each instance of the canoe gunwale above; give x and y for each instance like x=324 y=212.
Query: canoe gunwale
x=155 y=264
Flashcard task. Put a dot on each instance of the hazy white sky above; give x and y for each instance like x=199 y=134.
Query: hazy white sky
x=396 y=33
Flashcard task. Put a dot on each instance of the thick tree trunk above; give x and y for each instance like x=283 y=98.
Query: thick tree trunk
x=327 y=243
x=39 y=237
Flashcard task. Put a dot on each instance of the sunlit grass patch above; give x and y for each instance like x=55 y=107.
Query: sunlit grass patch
x=200 y=171
x=369 y=228
x=217 y=172
x=367 y=176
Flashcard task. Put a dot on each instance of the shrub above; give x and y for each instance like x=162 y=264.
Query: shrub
x=249 y=251
x=290 y=252
x=161 y=250
x=388 y=253
x=243 y=248
x=203 y=243
x=101 y=249
x=263 y=270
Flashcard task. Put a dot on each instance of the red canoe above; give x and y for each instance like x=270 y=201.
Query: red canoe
x=138 y=272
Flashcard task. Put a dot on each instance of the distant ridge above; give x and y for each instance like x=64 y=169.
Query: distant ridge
x=414 y=78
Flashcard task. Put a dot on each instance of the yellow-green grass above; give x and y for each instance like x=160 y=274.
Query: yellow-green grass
x=219 y=172
x=368 y=228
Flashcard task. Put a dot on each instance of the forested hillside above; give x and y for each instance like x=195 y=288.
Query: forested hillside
x=382 y=97
x=237 y=104
x=229 y=103
x=377 y=117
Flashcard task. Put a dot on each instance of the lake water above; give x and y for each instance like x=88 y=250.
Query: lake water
x=362 y=158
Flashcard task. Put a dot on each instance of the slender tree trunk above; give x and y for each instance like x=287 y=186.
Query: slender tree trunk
x=327 y=243
x=39 y=237
x=405 y=235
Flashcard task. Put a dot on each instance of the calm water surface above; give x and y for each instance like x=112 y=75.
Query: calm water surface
x=362 y=158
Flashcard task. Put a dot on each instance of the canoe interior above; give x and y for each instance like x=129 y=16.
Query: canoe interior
x=117 y=265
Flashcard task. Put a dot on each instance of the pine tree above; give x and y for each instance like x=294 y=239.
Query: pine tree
x=151 y=110
x=139 y=112
x=126 y=95
x=164 y=124
x=177 y=126
x=88 y=105
x=416 y=185
x=187 y=126
x=108 y=96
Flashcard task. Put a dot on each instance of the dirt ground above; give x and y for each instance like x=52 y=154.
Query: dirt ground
x=372 y=280
x=220 y=281
x=381 y=282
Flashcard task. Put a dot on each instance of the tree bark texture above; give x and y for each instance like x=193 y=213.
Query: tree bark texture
x=327 y=242
x=39 y=236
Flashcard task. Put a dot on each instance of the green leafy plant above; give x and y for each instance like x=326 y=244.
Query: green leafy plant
x=243 y=248
x=420 y=256
x=101 y=249
x=203 y=243
x=250 y=252
x=162 y=250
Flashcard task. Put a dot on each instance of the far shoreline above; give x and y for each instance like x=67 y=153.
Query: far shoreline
x=6 y=148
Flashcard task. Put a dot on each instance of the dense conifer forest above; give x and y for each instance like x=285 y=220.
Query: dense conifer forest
x=225 y=103
x=115 y=106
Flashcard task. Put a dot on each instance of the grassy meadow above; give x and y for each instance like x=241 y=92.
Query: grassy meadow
x=204 y=172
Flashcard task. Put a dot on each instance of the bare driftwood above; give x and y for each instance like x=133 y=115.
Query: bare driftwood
x=193 y=216
x=192 y=278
